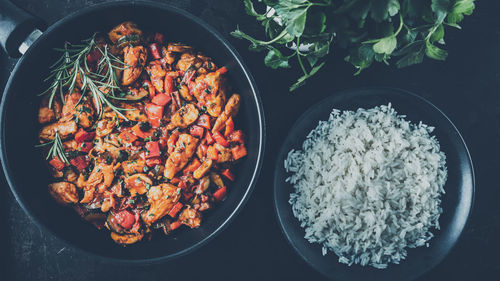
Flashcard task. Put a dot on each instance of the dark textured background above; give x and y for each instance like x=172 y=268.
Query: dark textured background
x=466 y=87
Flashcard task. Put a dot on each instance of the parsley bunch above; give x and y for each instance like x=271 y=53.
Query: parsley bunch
x=369 y=30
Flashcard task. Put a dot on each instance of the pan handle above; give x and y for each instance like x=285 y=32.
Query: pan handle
x=18 y=28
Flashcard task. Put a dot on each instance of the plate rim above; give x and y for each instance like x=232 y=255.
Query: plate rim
x=336 y=95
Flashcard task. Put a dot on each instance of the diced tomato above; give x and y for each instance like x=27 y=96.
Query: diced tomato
x=57 y=163
x=239 y=151
x=204 y=121
x=85 y=146
x=83 y=135
x=151 y=89
x=220 y=193
x=236 y=136
x=220 y=139
x=172 y=140
x=229 y=127
x=197 y=131
x=125 y=219
x=158 y=38
x=80 y=162
x=154 y=113
x=222 y=70
x=212 y=153
x=161 y=99
x=155 y=52
x=169 y=84
x=193 y=166
x=209 y=138
x=127 y=137
x=177 y=207
x=227 y=173
x=175 y=225
x=153 y=149
x=153 y=161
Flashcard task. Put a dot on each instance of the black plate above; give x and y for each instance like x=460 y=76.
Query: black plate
x=25 y=168
x=456 y=203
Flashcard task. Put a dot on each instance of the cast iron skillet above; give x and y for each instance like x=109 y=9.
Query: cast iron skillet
x=456 y=202
x=23 y=164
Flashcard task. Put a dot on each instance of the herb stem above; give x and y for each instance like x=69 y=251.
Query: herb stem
x=299 y=58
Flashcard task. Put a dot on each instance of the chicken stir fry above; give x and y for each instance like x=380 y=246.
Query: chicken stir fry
x=166 y=159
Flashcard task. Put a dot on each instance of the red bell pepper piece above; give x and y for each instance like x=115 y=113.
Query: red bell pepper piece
x=153 y=149
x=227 y=173
x=151 y=89
x=158 y=38
x=193 y=166
x=153 y=161
x=161 y=99
x=212 y=153
x=188 y=76
x=57 y=163
x=155 y=52
x=236 y=136
x=220 y=193
x=177 y=207
x=196 y=130
x=204 y=121
x=229 y=127
x=222 y=70
x=175 y=225
x=209 y=138
x=83 y=135
x=239 y=152
x=125 y=219
x=127 y=137
x=220 y=139
x=85 y=147
x=154 y=113
x=80 y=162
x=169 y=84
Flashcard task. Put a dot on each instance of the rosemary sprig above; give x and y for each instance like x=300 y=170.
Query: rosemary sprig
x=56 y=150
x=102 y=83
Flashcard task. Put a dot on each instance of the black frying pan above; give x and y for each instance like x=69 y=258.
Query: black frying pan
x=23 y=164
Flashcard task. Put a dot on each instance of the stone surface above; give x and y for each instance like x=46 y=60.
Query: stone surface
x=466 y=87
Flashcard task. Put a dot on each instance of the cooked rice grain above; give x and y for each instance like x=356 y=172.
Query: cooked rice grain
x=368 y=185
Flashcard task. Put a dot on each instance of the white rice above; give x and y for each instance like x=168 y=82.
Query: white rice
x=368 y=185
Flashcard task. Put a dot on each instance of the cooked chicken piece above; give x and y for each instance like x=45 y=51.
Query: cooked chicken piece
x=157 y=75
x=203 y=169
x=162 y=198
x=178 y=48
x=82 y=110
x=135 y=59
x=184 y=117
x=224 y=154
x=230 y=110
x=210 y=91
x=136 y=93
x=71 y=145
x=133 y=167
x=124 y=29
x=138 y=184
x=104 y=127
x=70 y=176
x=48 y=115
x=184 y=150
x=190 y=217
x=133 y=112
x=126 y=239
x=185 y=94
x=64 y=192
x=64 y=129
x=107 y=146
x=101 y=178
x=169 y=57
x=186 y=61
